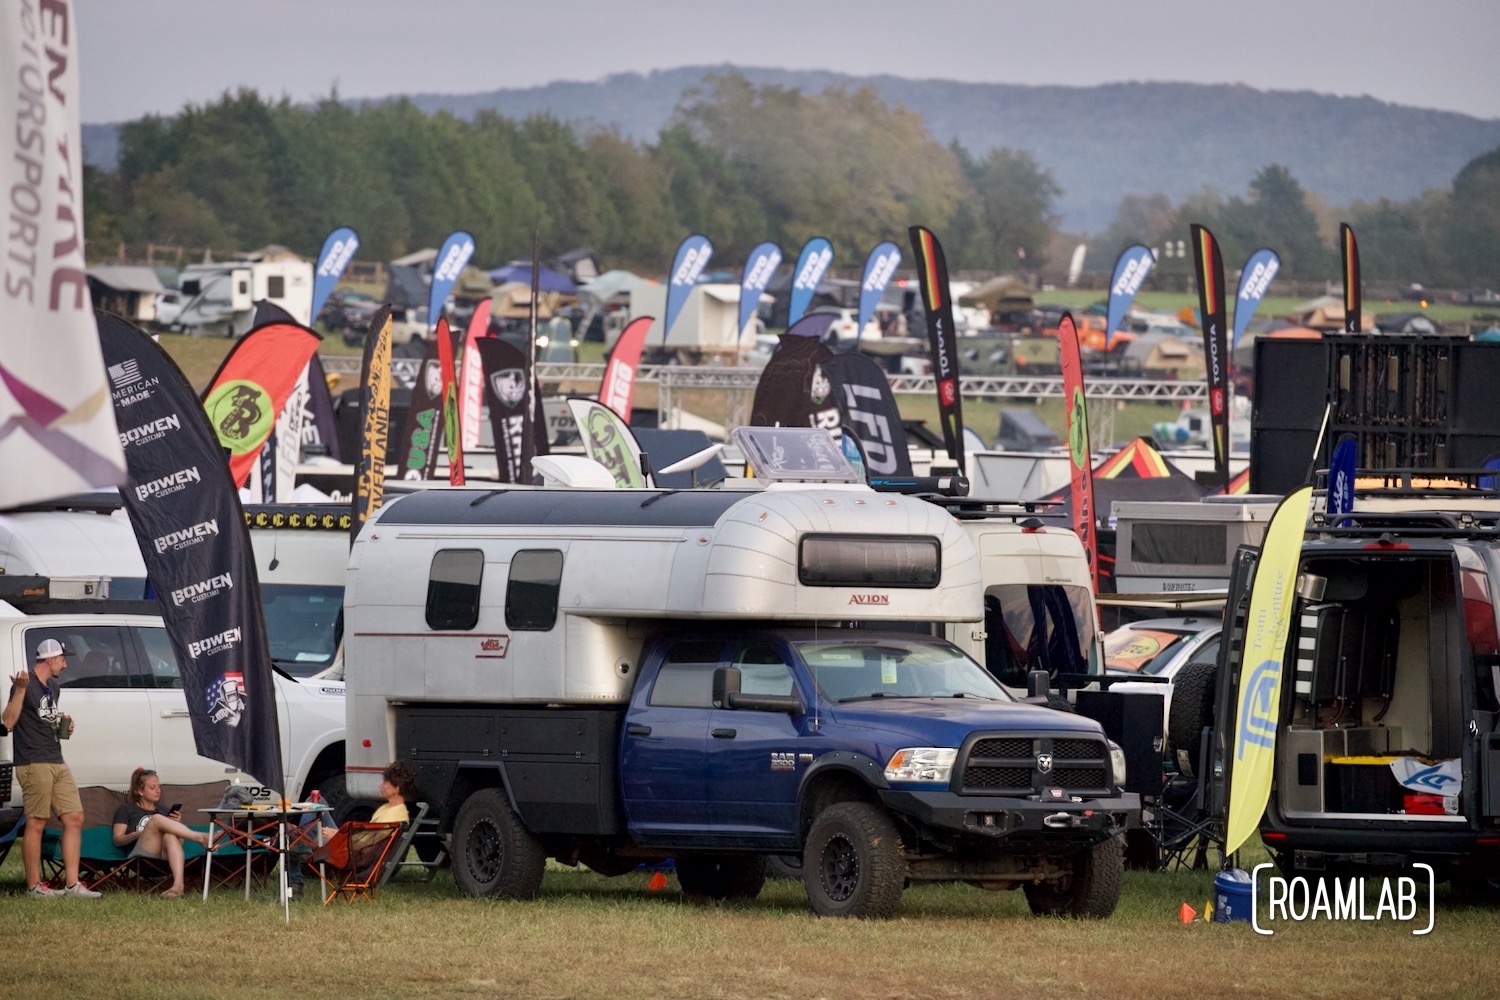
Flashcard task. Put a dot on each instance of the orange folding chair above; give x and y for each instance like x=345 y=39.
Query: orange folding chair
x=353 y=860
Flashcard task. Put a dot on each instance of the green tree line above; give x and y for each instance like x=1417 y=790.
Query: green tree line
x=738 y=162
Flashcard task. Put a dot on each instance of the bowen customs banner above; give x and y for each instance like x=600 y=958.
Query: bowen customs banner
x=1131 y=268
x=374 y=421
x=338 y=250
x=1209 y=264
x=868 y=411
x=471 y=392
x=880 y=266
x=1260 y=268
x=1267 y=622
x=942 y=342
x=187 y=517
x=692 y=257
x=608 y=440
x=1079 y=457
x=1353 y=296
x=251 y=388
x=57 y=429
x=759 y=267
x=417 y=444
x=817 y=254
x=793 y=390
x=446 y=269
x=617 y=390
x=507 y=393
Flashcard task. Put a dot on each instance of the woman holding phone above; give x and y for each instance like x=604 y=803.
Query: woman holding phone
x=152 y=832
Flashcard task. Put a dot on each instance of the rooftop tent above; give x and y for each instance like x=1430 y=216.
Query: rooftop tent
x=1163 y=352
x=1005 y=293
x=580 y=264
x=512 y=300
x=609 y=285
x=1135 y=472
x=548 y=280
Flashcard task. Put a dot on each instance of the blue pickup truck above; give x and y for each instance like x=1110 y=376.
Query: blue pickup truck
x=719 y=677
x=875 y=758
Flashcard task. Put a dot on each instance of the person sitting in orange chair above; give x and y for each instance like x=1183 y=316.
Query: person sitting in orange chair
x=150 y=833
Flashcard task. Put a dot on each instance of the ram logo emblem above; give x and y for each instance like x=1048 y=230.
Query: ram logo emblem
x=1044 y=763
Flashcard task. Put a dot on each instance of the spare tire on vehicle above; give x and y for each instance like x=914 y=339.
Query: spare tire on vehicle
x=1193 y=693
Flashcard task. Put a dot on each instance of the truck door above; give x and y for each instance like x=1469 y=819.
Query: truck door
x=176 y=750
x=754 y=768
x=663 y=753
x=111 y=722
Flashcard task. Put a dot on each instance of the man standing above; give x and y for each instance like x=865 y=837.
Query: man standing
x=47 y=785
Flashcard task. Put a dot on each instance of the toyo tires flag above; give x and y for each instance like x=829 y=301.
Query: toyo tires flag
x=338 y=250
x=692 y=257
x=1131 y=268
x=446 y=269
x=817 y=254
x=880 y=267
x=759 y=267
x=1254 y=280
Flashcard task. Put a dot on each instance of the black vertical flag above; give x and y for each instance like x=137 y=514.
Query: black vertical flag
x=187 y=517
x=1209 y=263
x=868 y=408
x=942 y=338
x=421 y=433
x=374 y=422
x=515 y=410
x=793 y=391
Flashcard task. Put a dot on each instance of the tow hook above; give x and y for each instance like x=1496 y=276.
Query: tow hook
x=1060 y=821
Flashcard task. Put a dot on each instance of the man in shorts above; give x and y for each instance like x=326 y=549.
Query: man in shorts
x=33 y=718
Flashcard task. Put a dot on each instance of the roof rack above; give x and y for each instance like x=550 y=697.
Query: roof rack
x=978 y=508
x=1420 y=482
x=42 y=595
x=100 y=502
x=1408 y=524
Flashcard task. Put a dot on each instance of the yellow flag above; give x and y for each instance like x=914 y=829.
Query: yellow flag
x=1267 y=623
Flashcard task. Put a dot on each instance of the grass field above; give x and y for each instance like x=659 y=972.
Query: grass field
x=588 y=936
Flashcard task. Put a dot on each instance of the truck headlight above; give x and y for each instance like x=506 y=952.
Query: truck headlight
x=1117 y=762
x=934 y=764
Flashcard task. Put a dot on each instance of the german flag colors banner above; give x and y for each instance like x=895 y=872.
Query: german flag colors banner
x=1353 y=302
x=252 y=385
x=942 y=338
x=1209 y=263
x=1076 y=409
x=1267 y=625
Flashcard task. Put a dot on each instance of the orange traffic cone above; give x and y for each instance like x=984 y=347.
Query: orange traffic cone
x=658 y=882
x=1187 y=913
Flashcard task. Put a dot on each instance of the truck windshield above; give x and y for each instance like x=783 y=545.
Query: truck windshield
x=895 y=667
x=304 y=625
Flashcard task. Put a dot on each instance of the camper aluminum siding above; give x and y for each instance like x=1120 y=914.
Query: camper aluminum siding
x=1177 y=547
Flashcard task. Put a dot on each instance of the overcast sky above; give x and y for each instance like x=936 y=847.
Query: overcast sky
x=153 y=56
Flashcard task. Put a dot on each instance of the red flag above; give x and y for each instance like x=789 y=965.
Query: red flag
x=252 y=386
x=618 y=387
x=450 y=404
x=1077 y=411
x=471 y=392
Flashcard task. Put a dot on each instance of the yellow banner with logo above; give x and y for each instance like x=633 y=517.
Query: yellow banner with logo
x=1267 y=624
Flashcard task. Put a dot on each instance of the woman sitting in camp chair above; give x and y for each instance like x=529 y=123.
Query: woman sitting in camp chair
x=140 y=825
x=358 y=851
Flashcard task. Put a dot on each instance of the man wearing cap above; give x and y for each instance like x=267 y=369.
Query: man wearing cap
x=32 y=716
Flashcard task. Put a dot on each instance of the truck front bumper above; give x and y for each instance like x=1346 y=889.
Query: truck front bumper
x=1002 y=816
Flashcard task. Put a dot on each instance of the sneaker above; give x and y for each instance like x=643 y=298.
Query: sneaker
x=80 y=890
x=40 y=891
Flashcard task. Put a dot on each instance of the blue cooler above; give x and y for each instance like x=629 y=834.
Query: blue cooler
x=1232 y=896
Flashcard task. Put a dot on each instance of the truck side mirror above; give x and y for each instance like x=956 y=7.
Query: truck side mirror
x=1038 y=684
x=726 y=683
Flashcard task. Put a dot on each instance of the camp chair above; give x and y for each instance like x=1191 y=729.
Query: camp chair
x=101 y=864
x=352 y=864
x=423 y=828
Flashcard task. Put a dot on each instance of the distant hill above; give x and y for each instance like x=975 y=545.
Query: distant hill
x=1099 y=143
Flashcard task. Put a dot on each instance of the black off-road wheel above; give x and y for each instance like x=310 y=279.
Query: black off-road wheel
x=853 y=865
x=1193 y=691
x=722 y=877
x=493 y=854
x=1092 y=889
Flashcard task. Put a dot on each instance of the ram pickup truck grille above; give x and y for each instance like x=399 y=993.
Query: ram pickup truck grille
x=1025 y=765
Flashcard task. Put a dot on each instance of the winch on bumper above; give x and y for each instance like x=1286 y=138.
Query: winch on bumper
x=1002 y=816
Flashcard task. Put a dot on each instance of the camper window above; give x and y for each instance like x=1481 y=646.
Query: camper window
x=686 y=678
x=453 y=588
x=1177 y=543
x=531 y=597
x=853 y=561
x=275 y=287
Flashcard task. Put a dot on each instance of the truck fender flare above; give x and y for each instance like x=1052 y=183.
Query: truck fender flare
x=861 y=776
x=480 y=766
